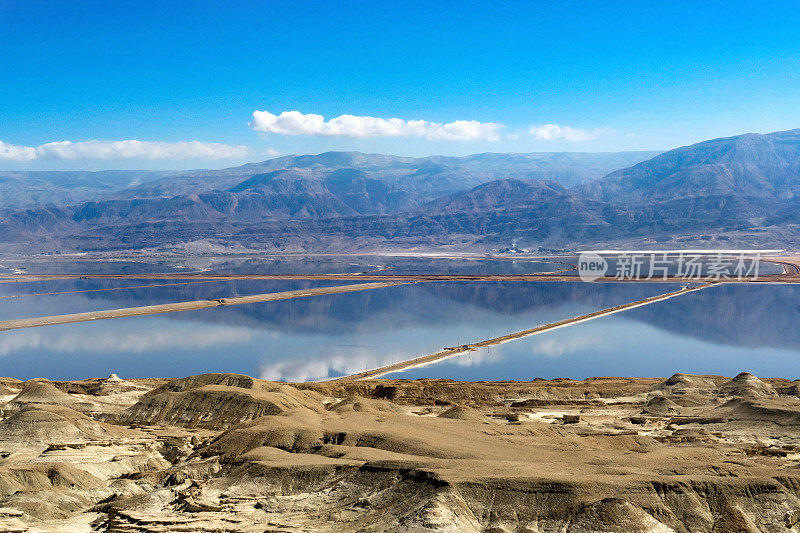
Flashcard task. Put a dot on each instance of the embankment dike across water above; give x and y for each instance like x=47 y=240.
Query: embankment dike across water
x=465 y=348
x=185 y=306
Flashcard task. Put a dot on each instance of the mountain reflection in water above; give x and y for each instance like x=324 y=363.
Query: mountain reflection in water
x=332 y=335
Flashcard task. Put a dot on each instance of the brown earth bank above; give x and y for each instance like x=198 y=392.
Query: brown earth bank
x=227 y=452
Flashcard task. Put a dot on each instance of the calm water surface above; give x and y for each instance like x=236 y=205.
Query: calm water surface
x=287 y=265
x=300 y=339
x=722 y=330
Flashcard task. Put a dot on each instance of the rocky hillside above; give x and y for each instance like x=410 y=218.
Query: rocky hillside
x=226 y=452
x=498 y=195
x=761 y=170
x=747 y=180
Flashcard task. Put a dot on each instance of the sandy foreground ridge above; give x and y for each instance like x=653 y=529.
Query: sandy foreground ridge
x=226 y=452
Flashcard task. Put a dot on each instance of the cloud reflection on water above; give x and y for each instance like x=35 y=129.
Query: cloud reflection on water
x=112 y=341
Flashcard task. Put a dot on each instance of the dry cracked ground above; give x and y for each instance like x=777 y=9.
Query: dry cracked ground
x=225 y=452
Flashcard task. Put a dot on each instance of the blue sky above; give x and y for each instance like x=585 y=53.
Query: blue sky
x=611 y=76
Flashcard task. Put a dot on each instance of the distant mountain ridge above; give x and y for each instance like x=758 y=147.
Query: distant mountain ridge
x=20 y=189
x=765 y=167
x=740 y=189
x=728 y=182
x=428 y=177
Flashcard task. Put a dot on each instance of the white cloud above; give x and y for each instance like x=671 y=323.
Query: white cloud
x=128 y=149
x=551 y=132
x=11 y=152
x=297 y=123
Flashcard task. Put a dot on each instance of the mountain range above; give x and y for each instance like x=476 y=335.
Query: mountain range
x=740 y=189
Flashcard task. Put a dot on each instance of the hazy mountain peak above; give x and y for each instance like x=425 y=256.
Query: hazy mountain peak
x=749 y=166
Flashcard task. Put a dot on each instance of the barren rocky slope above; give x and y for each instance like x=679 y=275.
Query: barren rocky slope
x=224 y=452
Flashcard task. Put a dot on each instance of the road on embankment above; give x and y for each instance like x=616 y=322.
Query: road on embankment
x=21 y=323
x=791 y=265
x=465 y=348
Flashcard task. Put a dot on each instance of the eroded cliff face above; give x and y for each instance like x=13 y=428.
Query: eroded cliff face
x=223 y=452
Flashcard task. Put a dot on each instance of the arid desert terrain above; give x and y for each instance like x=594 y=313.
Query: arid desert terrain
x=226 y=452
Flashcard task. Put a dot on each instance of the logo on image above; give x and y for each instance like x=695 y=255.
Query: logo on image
x=591 y=266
